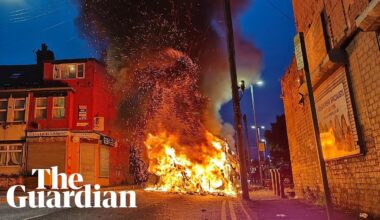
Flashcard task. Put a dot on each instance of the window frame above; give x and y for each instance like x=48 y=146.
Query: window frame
x=84 y=72
x=58 y=67
x=8 y=150
x=41 y=108
x=18 y=109
x=4 y=110
x=59 y=107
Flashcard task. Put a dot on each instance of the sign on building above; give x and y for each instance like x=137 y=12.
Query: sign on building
x=47 y=133
x=82 y=112
x=262 y=146
x=298 y=53
x=335 y=118
x=108 y=141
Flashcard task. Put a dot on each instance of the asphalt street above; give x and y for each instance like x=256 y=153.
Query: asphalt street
x=155 y=205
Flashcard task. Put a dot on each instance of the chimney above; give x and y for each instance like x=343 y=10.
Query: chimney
x=43 y=54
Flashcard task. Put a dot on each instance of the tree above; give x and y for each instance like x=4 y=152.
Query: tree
x=277 y=140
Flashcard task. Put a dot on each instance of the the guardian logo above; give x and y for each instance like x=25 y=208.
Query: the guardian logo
x=71 y=189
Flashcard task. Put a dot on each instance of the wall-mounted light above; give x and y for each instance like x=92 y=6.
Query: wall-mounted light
x=242 y=85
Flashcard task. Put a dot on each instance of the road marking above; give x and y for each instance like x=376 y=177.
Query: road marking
x=246 y=213
x=232 y=212
x=37 y=216
x=223 y=214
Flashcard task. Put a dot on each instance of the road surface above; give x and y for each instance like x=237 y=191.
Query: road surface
x=155 y=205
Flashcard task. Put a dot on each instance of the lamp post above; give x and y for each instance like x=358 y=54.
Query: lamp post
x=235 y=98
x=259 y=129
x=258 y=83
x=247 y=154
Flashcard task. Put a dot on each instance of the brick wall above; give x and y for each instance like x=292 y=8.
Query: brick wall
x=301 y=138
x=354 y=182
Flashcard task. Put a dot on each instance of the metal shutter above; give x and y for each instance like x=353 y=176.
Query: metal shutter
x=104 y=161
x=46 y=155
x=87 y=162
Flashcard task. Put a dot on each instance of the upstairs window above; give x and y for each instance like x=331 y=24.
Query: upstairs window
x=19 y=110
x=41 y=108
x=80 y=69
x=3 y=110
x=59 y=107
x=68 y=71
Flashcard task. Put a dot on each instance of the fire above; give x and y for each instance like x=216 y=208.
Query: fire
x=196 y=169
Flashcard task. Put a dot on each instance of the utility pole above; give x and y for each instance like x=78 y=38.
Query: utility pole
x=257 y=135
x=247 y=141
x=235 y=98
x=321 y=159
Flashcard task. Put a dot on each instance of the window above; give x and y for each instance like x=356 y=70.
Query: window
x=3 y=110
x=41 y=108
x=56 y=74
x=64 y=72
x=69 y=71
x=59 y=107
x=15 y=75
x=10 y=155
x=19 y=110
x=72 y=71
x=81 y=71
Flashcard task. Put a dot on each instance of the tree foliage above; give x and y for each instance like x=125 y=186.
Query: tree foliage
x=277 y=140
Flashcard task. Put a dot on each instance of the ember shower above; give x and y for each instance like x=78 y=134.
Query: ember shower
x=169 y=59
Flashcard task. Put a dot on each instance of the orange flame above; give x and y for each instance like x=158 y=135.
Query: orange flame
x=197 y=169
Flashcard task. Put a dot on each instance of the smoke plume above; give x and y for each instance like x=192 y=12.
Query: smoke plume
x=173 y=47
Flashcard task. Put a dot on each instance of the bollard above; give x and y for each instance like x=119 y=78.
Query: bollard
x=278 y=182
x=281 y=185
x=272 y=180
x=275 y=182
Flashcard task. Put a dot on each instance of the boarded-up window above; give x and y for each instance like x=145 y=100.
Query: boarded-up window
x=315 y=44
x=104 y=161
x=337 y=19
x=46 y=155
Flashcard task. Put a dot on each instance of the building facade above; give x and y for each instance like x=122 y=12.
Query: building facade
x=64 y=119
x=340 y=41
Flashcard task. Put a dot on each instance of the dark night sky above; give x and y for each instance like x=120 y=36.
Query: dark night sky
x=268 y=24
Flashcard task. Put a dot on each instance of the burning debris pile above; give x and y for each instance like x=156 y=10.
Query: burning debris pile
x=170 y=63
x=179 y=171
x=180 y=150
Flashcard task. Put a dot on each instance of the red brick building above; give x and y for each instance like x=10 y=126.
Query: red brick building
x=342 y=50
x=64 y=118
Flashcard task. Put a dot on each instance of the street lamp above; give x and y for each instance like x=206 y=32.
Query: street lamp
x=262 y=127
x=258 y=83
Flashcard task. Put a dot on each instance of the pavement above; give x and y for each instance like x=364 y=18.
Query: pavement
x=155 y=205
